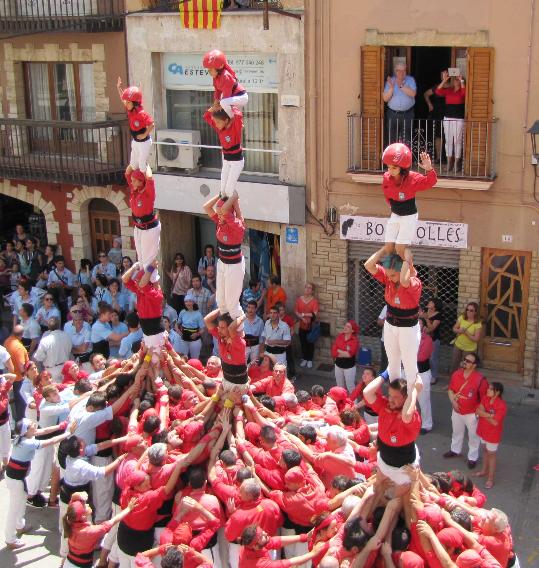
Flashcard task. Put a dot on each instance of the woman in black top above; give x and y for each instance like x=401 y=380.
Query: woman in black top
x=434 y=318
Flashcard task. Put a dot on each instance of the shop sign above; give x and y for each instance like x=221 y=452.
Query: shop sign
x=292 y=236
x=254 y=70
x=428 y=233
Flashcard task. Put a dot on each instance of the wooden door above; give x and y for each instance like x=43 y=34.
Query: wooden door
x=372 y=107
x=104 y=226
x=478 y=128
x=504 y=307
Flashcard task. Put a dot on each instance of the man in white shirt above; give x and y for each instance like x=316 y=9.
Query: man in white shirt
x=104 y=267
x=31 y=329
x=276 y=336
x=54 y=349
x=80 y=333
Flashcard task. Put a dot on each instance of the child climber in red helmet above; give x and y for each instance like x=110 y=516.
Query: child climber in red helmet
x=400 y=186
x=140 y=124
x=228 y=92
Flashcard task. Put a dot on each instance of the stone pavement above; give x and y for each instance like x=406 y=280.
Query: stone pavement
x=516 y=490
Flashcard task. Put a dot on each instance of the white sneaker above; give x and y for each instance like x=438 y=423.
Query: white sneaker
x=17 y=543
x=303 y=363
x=309 y=364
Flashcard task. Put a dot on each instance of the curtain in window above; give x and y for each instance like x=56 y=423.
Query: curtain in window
x=40 y=102
x=87 y=93
x=64 y=83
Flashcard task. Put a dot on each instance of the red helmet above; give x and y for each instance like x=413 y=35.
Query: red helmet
x=397 y=154
x=214 y=59
x=133 y=94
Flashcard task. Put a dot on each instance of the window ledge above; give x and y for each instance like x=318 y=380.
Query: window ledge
x=443 y=182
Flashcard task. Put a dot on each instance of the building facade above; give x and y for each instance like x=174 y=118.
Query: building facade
x=63 y=133
x=477 y=237
x=186 y=160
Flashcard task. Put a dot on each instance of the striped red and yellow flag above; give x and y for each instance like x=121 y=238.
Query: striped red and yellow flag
x=201 y=14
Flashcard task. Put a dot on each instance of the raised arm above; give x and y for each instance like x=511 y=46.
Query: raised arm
x=410 y=404
x=233 y=327
x=208 y=206
x=210 y=318
x=372 y=261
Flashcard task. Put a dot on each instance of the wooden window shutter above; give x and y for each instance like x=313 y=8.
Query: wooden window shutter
x=477 y=154
x=372 y=106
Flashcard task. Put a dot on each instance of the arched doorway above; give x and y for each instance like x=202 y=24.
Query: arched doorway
x=16 y=212
x=104 y=225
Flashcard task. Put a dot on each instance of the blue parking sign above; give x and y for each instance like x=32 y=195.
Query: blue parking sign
x=292 y=236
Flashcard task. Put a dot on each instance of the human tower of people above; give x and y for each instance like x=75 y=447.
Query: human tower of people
x=163 y=462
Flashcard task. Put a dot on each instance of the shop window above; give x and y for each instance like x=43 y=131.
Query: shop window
x=186 y=107
x=104 y=225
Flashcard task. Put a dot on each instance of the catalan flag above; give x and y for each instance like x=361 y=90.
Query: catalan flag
x=201 y=14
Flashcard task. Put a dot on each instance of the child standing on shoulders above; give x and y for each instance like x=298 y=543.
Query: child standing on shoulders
x=400 y=186
x=230 y=131
x=140 y=124
x=228 y=92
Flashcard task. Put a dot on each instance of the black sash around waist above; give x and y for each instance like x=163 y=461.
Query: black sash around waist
x=454 y=110
x=187 y=332
x=146 y=221
x=423 y=366
x=402 y=317
x=107 y=453
x=236 y=374
x=117 y=493
x=229 y=254
x=298 y=529
x=151 y=326
x=67 y=491
x=251 y=340
x=102 y=347
x=4 y=417
x=345 y=362
x=17 y=469
x=82 y=560
x=275 y=349
x=403 y=208
x=132 y=541
x=166 y=511
x=397 y=456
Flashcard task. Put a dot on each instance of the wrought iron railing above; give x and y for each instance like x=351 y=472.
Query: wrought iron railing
x=31 y=16
x=88 y=153
x=458 y=147
x=173 y=5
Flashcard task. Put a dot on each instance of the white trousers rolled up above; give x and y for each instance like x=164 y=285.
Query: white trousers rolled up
x=453 y=132
x=147 y=246
x=16 y=509
x=229 y=287
x=102 y=491
x=424 y=401
x=346 y=378
x=461 y=423
x=140 y=152
x=230 y=173
x=238 y=101
x=40 y=470
x=402 y=344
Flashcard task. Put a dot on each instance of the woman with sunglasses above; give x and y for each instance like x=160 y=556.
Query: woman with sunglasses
x=85 y=302
x=491 y=413
x=48 y=310
x=468 y=328
x=180 y=276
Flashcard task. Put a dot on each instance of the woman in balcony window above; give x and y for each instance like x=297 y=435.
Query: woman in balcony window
x=454 y=92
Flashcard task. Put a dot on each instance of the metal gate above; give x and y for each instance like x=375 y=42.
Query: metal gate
x=439 y=271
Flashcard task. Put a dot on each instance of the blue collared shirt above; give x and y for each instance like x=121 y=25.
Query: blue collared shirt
x=400 y=101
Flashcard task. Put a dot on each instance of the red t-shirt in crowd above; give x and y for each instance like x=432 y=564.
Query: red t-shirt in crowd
x=250 y=558
x=310 y=307
x=470 y=390
x=271 y=387
x=350 y=345
x=391 y=428
x=497 y=408
x=144 y=516
x=229 y=137
x=149 y=299
x=397 y=295
x=426 y=347
x=302 y=505
x=139 y=120
x=232 y=350
x=85 y=537
x=499 y=545
x=141 y=202
x=264 y=513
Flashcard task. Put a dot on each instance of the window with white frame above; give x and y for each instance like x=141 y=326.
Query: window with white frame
x=189 y=93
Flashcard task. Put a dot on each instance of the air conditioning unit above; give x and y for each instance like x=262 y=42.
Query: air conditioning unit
x=178 y=156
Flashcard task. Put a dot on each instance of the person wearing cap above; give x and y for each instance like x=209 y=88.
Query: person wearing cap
x=230 y=228
x=147 y=231
x=141 y=125
x=190 y=325
x=344 y=351
x=401 y=329
x=149 y=303
x=275 y=385
x=400 y=186
x=399 y=423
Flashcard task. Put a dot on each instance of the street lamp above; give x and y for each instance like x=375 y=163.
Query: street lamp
x=534 y=133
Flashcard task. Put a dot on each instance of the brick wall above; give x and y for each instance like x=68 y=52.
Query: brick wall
x=469 y=277
x=531 y=356
x=327 y=267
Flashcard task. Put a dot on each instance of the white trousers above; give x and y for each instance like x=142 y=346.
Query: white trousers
x=110 y=537
x=126 y=561
x=229 y=286
x=62 y=509
x=5 y=441
x=401 y=229
x=102 y=491
x=297 y=549
x=228 y=102
x=16 y=509
x=56 y=372
x=190 y=348
x=402 y=344
x=234 y=555
x=223 y=546
x=397 y=474
x=230 y=172
x=346 y=378
x=461 y=423
x=40 y=471
x=453 y=132
x=147 y=246
x=424 y=401
x=252 y=353
x=140 y=151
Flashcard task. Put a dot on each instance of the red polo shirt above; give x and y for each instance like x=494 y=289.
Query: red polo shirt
x=328 y=466
x=397 y=295
x=250 y=558
x=499 y=545
x=497 y=408
x=85 y=537
x=301 y=505
x=271 y=387
x=470 y=390
x=391 y=428
x=144 y=516
x=232 y=350
x=226 y=84
x=149 y=299
x=139 y=120
x=229 y=137
x=141 y=202
x=350 y=345
x=264 y=513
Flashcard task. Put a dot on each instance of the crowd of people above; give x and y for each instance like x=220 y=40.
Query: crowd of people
x=153 y=458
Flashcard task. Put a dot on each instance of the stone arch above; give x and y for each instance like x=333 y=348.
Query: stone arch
x=79 y=227
x=35 y=198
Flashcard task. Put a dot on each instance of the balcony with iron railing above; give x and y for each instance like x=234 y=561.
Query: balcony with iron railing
x=173 y=5
x=86 y=153
x=37 y=16
x=471 y=144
